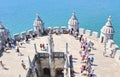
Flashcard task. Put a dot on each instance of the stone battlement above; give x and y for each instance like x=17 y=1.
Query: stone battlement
x=106 y=36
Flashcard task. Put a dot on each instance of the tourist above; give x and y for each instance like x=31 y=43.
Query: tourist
x=111 y=54
x=46 y=47
x=92 y=72
x=82 y=68
x=18 y=51
x=113 y=51
x=17 y=43
x=92 y=59
x=23 y=65
x=2 y=64
x=7 y=46
x=41 y=46
x=82 y=39
x=88 y=69
x=89 y=50
x=88 y=62
x=83 y=57
x=26 y=39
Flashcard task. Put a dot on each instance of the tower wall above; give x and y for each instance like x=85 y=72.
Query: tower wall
x=88 y=32
x=81 y=31
x=117 y=56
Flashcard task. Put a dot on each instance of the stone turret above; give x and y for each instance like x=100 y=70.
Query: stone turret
x=107 y=31
x=4 y=35
x=73 y=23
x=38 y=25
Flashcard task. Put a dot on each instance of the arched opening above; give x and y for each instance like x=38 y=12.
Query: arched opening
x=59 y=72
x=46 y=72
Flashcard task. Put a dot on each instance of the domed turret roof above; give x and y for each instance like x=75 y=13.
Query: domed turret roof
x=73 y=20
x=38 y=21
x=108 y=28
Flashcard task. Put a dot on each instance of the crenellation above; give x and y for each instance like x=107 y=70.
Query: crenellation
x=81 y=31
x=23 y=35
x=31 y=33
x=87 y=32
x=95 y=34
x=63 y=29
x=49 y=29
x=16 y=37
x=115 y=46
x=56 y=30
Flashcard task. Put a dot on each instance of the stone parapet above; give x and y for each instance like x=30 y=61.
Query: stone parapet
x=23 y=35
x=81 y=31
x=88 y=33
x=16 y=37
x=110 y=43
x=95 y=34
x=117 y=56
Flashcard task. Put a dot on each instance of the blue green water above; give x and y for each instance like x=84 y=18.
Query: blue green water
x=18 y=15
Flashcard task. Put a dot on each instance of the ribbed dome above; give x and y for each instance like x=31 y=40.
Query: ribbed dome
x=38 y=21
x=108 y=29
x=73 y=21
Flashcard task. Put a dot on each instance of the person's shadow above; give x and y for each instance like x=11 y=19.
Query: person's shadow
x=5 y=68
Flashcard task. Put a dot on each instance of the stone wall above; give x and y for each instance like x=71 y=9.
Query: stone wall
x=117 y=56
x=93 y=35
x=22 y=35
x=88 y=33
x=109 y=45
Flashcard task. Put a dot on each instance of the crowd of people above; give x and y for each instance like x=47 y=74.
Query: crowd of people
x=87 y=59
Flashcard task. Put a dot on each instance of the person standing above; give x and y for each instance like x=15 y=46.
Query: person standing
x=46 y=47
x=111 y=54
x=18 y=51
x=1 y=63
x=92 y=59
x=23 y=65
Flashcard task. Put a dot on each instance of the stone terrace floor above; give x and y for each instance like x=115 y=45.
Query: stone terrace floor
x=105 y=66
